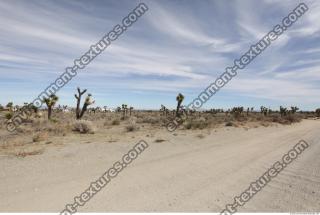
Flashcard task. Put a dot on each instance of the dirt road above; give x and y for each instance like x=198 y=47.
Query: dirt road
x=185 y=173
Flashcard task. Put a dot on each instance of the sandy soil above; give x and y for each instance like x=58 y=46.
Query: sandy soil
x=191 y=171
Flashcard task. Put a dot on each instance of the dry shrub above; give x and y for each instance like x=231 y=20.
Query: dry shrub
x=29 y=153
x=187 y=125
x=200 y=123
x=149 y=119
x=41 y=136
x=228 y=124
x=265 y=124
x=132 y=126
x=276 y=118
x=8 y=115
x=124 y=118
x=83 y=127
x=115 y=122
x=60 y=127
x=159 y=140
x=201 y=136
x=291 y=118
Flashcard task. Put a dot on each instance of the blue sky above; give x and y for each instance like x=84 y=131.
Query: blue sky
x=177 y=46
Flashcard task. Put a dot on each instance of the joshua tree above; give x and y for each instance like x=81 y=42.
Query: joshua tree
x=264 y=110
x=33 y=107
x=294 y=110
x=130 y=109
x=50 y=102
x=65 y=108
x=179 y=99
x=318 y=112
x=283 y=111
x=124 y=110
x=237 y=111
x=10 y=106
x=248 y=110
x=87 y=102
x=164 y=110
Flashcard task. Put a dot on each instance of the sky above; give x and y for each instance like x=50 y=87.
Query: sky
x=175 y=47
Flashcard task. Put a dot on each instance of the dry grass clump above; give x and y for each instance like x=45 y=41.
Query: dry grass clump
x=24 y=154
x=41 y=136
x=187 y=125
x=83 y=127
x=132 y=127
x=56 y=127
x=149 y=119
x=285 y=120
x=123 y=118
x=115 y=122
x=199 y=123
x=200 y=136
x=228 y=124
x=291 y=118
x=8 y=115
x=158 y=140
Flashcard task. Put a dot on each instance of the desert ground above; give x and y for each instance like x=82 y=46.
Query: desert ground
x=197 y=168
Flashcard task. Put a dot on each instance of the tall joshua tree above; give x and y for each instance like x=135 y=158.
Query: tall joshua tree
x=50 y=102
x=179 y=99
x=130 y=109
x=87 y=102
x=124 y=110
x=283 y=111
x=294 y=110
x=10 y=106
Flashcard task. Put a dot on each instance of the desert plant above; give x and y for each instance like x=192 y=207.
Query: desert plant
x=164 y=110
x=294 y=110
x=264 y=110
x=87 y=102
x=10 y=106
x=318 y=112
x=187 y=125
x=132 y=126
x=237 y=111
x=41 y=136
x=283 y=111
x=50 y=102
x=179 y=99
x=124 y=110
x=115 y=122
x=1 y=107
x=130 y=109
x=8 y=115
x=32 y=107
x=83 y=127
x=229 y=124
